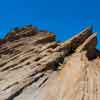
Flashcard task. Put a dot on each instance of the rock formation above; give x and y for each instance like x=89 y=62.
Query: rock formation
x=33 y=66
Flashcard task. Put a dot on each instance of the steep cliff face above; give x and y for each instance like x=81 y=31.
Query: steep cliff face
x=33 y=66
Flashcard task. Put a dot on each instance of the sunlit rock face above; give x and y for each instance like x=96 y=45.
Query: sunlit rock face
x=34 y=66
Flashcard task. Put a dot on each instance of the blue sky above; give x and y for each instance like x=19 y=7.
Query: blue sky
x=63 y=17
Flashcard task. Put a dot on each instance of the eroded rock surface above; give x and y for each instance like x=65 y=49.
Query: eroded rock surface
x=33 y=66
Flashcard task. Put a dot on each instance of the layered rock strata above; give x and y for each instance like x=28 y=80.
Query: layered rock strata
x=33 y=66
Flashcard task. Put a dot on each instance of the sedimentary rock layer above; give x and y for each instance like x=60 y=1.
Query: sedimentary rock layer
x=33 y=66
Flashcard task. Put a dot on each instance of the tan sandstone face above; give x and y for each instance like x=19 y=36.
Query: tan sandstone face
x=33 y=66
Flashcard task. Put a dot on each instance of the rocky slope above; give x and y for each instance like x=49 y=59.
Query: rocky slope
x=33 y=66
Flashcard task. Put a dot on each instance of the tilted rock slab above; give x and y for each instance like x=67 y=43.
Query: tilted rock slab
x=33 y=66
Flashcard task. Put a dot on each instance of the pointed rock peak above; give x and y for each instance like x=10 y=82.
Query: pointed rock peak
x=85 y=33
x=87 y=29
x=89 y=44
x=77 y=40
